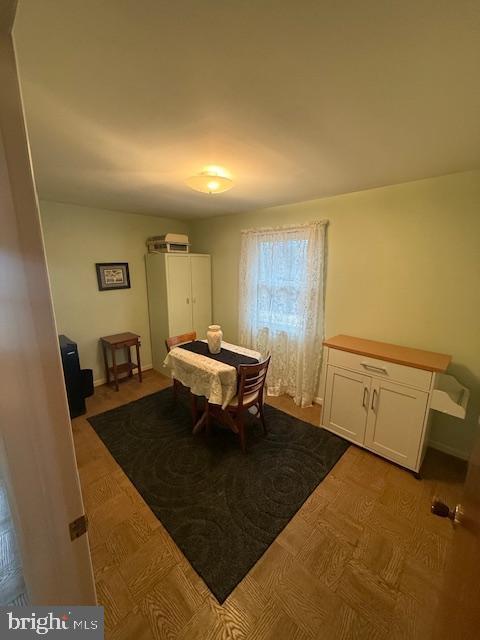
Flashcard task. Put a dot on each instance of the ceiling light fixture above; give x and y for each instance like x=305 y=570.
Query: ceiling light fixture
x=211 y=180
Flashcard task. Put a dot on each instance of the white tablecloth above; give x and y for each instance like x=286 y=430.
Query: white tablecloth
x=203 y=375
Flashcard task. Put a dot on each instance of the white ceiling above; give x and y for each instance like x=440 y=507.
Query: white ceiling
x=298 y=99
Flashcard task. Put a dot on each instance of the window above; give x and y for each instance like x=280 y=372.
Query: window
x=281 y=304
x=281 y=270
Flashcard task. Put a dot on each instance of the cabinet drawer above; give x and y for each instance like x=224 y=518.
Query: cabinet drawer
x=418 y=378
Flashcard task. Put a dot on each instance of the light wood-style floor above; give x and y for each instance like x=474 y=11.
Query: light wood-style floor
x=12 y=586
x=362 y=558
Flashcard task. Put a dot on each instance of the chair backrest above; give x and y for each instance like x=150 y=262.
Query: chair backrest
x=174 y=341
x=252 y=379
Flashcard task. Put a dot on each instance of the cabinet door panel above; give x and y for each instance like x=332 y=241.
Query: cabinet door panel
x=346 y=406
x=395 y=422
x=179 y=295
x=201 y=294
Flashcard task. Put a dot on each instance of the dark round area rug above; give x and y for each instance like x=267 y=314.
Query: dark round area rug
x=222 y=508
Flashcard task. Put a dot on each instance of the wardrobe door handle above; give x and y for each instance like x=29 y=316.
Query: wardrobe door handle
x=365 y=399
x=188 y=300
x=373 y=406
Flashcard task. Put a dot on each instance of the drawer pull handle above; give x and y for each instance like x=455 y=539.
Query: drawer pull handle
x=372 y=366
x=373 y=406
x=365 y=398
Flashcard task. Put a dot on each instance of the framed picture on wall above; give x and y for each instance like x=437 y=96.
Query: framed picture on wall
x=112 y=275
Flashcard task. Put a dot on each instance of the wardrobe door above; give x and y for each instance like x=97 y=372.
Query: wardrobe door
x=201 y=294
x=179 y=288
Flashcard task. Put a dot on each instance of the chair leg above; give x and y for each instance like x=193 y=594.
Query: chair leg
x=262 y=417
x=208 y=424
x=175 y=389
x=241 y=432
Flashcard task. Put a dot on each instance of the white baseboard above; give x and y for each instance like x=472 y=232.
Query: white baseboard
x=100 y=381
x=445 y=448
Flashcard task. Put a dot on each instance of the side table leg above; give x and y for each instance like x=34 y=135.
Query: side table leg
x=105 y=359
x=137 y=347
x=115 y=374
x=129 y=360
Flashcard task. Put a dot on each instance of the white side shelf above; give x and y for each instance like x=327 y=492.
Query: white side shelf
x=450 y=396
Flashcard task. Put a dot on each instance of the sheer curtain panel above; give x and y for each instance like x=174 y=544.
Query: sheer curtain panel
x=281 y=292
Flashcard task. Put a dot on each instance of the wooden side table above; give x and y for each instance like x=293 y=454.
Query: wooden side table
x=121 y=341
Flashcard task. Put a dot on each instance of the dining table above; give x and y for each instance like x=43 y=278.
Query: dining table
x=212 y=376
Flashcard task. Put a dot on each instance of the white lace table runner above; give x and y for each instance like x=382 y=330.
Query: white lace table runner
x=204 y=376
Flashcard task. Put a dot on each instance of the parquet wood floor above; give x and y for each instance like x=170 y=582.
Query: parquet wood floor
x=362 y=558
x=12 y=586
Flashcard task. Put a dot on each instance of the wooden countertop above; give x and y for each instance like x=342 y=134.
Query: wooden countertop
x=416 y=358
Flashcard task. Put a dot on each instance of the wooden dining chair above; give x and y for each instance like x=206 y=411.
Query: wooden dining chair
x=170 y=343
x=174 y=341
x=251 y=383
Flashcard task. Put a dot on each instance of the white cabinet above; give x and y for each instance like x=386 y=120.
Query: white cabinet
x=179 y=297
x=383 y=404
x=346 y=403
x=201 y=294
x=396 y=416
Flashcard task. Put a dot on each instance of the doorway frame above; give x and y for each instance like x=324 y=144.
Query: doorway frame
x=42 y=477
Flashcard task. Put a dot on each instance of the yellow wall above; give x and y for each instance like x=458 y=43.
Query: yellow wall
x=403 y=267
x=75 y=239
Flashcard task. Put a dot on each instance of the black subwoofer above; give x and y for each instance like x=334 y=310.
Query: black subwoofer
x=78 y=382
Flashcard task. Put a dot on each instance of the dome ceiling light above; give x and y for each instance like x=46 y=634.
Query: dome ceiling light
x=211 y=180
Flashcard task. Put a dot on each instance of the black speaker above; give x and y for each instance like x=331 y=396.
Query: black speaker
x=78 y=382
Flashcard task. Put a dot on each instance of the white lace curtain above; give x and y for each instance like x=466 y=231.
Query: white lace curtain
x=282 y=304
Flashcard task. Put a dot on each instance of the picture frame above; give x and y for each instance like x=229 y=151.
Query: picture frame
x=112 y=275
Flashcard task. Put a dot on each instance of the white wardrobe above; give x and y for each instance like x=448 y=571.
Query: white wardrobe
x=179 y=297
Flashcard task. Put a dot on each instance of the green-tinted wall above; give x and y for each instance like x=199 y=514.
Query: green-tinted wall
x=403 y=267
x=75 y=239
